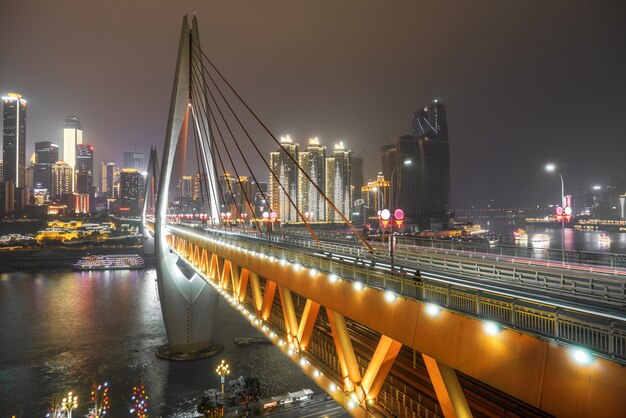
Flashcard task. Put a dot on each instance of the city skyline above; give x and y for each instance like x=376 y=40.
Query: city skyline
x=365 y=191
x=510 y=84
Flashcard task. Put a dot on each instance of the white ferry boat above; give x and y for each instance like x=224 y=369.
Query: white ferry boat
x=110 y=262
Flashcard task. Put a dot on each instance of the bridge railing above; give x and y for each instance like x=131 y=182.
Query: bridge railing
x=600 y=289
x=603 y=334
x=587 y=258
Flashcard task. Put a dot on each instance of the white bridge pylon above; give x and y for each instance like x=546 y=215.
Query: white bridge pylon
x=188 y=305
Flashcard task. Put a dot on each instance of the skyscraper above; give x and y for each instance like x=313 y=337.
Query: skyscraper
x=47 y=153
x=131 y=188
x=107 y=170
x=286 y=171
x=338 y=183
x=312 y=161
x=356 y=176
x=185 y=188
x=421 y=189
x=14 y=139
x=72 y=137
x=84 y=167
x=61 y=179
x=134 y=159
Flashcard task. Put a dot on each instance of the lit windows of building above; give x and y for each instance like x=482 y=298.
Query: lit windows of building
x=84 y=168
x=14 y=139
x=107 y=174
x=375 y=196
x=47 y=153
x=286 y=172
x=61 y=179
x=131 y=189
x=72 y=137
x=312 y=161
x=338 y=183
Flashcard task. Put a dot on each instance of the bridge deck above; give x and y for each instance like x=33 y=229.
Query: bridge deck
x=526 y=345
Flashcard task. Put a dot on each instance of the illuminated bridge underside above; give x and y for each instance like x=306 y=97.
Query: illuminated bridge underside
x=530 y=369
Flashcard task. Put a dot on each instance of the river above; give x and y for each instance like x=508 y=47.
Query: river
x=63 y=330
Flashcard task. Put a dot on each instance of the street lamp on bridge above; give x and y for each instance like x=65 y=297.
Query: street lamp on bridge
x=551 y=168
x=396 y=214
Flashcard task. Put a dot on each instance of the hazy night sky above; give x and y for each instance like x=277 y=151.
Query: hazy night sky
x=525 y=82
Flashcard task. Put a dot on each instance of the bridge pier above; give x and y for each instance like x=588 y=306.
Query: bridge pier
x=188 y=304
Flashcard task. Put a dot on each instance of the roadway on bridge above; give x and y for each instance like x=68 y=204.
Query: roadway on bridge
x=553 y=285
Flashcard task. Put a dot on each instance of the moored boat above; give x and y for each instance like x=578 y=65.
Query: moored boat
x=520 y=235
x=604 y=239
x=110 y=262
x=539 y=238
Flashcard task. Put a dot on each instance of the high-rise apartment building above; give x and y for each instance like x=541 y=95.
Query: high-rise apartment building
x=107 y=170
x=131 y=188
x=227 y=185
x=313 y=162
x=245 y=198
x=286 y=172
x=421 y=188
x=198 y=188
x=338 y=182
x=185 y=188
x=61 y=179
x=72 y=137
x=14 y=139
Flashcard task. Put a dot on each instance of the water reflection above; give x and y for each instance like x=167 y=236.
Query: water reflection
x=64 y=331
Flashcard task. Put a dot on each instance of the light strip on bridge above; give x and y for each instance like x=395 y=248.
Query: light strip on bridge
x=289 y=349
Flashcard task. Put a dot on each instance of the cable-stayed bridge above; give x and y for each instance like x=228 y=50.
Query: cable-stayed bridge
x=431 y=334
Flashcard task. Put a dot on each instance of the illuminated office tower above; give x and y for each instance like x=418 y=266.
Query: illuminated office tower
x=312 y=161
x=131 y=188
x=338 y=182
x=72 y=137
x=47 y=153
x=14 y=139
x=286 y=171
x=84 y=168
x=421 y=188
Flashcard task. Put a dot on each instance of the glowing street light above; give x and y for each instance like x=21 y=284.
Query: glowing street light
x=69 y=403
x=222 y=370
x=551 y=168
x=396 y=212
